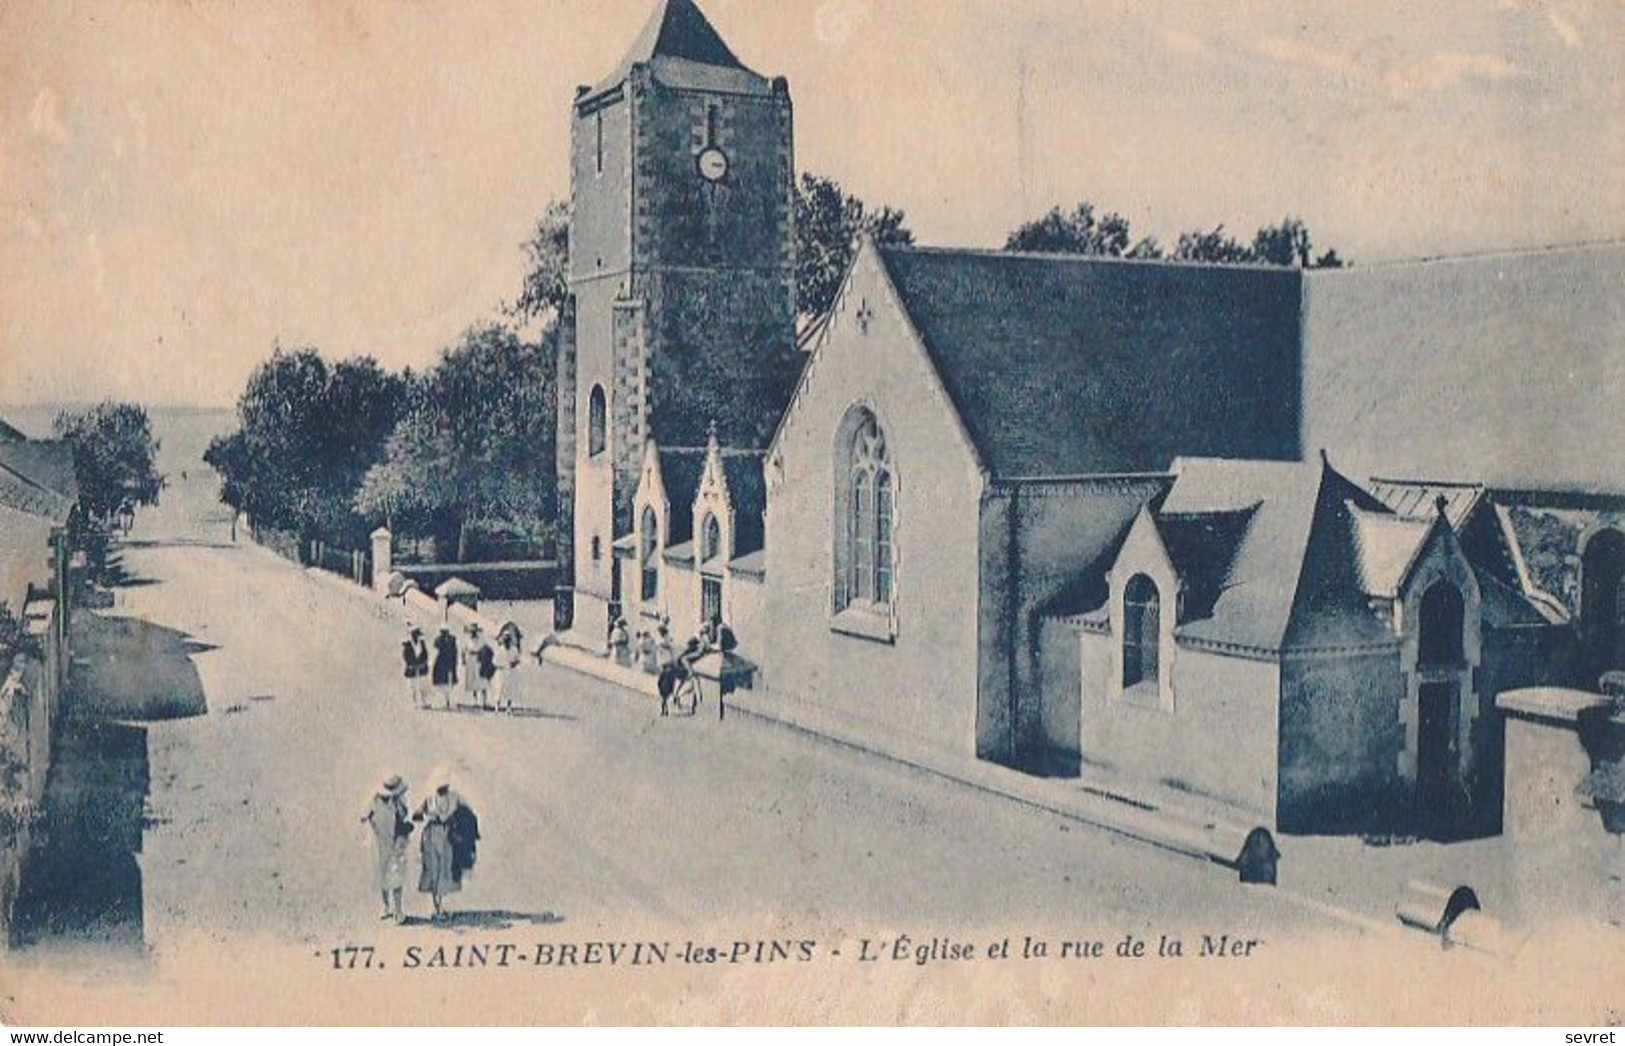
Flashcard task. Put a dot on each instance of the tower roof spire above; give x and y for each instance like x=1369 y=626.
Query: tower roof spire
x=679 y=29
x=678 y=36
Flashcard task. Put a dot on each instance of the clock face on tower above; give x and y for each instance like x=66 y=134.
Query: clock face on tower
x=713 y=164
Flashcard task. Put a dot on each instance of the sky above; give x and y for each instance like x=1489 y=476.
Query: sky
x=184 y=184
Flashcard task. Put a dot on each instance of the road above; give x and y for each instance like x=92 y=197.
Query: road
x=600 y=819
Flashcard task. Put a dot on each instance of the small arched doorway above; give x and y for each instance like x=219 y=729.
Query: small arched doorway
x=1442 y=672
x=1602 y=603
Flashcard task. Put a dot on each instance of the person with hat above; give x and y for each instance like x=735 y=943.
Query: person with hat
x=391 y=827
x=479 y=667
x=444 y=671
x=450 y=834
x=415 y=658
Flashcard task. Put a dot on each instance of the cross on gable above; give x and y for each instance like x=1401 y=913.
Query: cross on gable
x=864 y=315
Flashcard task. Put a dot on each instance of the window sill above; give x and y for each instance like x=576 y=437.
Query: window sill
x=864 y=622
x=1144 y=695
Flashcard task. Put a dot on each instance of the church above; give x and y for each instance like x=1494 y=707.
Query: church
x=1260 y=537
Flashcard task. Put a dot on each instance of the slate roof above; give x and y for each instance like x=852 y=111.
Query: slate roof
x=747 y=493
x=1254 y=605
x=1420 y=498
x=1203 y=547
x=1386 y=545
x=38 y=477
x=1062 y=366
x=48 y=462
x=9 y=434
x=684 y=50
x=682 y=469
x=680 y=472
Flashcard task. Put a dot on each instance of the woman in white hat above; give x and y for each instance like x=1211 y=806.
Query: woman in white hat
x=391 y=827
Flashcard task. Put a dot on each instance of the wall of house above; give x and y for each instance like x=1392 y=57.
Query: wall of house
x=1567 y=864
x=1222 y=704
x=919 y=684
x=1342 y=740
x=27 y=556
x=1060 y=690
x=1038 y=537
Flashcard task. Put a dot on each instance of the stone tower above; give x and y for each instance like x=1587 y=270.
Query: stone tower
x=682 y=282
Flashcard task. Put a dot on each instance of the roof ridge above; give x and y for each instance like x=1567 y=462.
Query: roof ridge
x=1066 y=257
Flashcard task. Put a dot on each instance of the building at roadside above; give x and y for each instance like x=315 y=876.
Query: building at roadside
x=1080 y=515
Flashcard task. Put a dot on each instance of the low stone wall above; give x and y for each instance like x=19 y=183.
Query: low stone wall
x=1568 y=845
x=494 y=580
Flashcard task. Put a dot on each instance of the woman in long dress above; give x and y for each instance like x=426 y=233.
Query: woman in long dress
x=391 y=827
x=509 y=657
x=439 y=876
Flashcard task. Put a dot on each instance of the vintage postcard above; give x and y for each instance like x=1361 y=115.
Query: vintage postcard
x=822 y=511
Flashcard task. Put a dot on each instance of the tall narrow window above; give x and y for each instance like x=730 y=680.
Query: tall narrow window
x=649 y=553
x=710 y=539
x=1142 y=632
x=865 y=548
x=597 y=422
x=599 y=131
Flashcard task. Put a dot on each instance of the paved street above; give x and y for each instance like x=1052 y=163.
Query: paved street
x=599 y=818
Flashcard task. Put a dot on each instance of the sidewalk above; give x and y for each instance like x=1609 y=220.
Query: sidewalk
x=1345 y=879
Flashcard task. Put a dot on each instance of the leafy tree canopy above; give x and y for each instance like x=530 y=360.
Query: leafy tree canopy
x=1084 y=230
x=114 y=454
x=476 y=445
x=829 y=223
x=308 y=431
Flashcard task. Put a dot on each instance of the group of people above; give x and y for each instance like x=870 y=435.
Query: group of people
x=447 y=846
x=657 y=654
x=488 y=673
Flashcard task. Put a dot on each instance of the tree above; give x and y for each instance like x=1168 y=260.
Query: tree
x=1080 y=232
x=829 y=224
x=1215 y=247
x=476 y=445
x=547 y=273
x=114 y=455
x=307 y=434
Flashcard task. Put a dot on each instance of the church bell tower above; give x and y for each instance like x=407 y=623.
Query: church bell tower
x=682 y=282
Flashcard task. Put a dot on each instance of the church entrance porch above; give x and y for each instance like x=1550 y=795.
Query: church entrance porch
x=1442 y=796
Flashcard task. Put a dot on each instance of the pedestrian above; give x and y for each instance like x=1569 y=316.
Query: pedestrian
x=391 y=827
x=665 y=649
x=479 y=665
x=446 y=858
x=718 y=636
x=620 y=643
x=648 y=653
x=485 y=670
x=511 y=643
x=444 y=672
x=415 y=659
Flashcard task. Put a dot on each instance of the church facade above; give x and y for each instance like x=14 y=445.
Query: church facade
x=1082 y=516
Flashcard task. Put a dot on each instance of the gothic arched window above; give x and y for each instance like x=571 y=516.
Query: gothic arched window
x=710 y=539
x=648 y=554
x=597 y=422
x=865 y=514
x=1142 y=632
